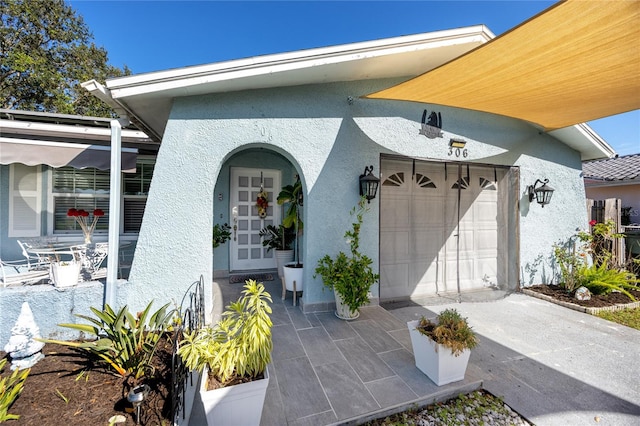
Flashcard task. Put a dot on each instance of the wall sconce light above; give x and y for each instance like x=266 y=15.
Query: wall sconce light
x=457 y=143
x=368 y=184
x=541 y=193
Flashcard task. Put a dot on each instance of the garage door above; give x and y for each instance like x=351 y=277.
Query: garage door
x=439 y=228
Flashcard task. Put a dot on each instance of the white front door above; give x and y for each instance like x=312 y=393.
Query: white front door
x=246 y=248
x=438 y=228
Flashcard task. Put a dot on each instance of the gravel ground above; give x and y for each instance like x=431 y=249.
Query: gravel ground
x=475 y=408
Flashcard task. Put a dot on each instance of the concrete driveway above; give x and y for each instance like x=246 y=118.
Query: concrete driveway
x=553 y=365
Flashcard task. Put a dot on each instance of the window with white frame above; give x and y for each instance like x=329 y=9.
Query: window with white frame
x=88 y=189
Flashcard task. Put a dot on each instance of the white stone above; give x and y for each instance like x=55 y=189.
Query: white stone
x=27 y=362
x=22 y=343
x=583 y=293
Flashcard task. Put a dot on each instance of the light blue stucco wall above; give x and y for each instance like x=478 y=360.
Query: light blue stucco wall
x=329 y=142
x=316 y=132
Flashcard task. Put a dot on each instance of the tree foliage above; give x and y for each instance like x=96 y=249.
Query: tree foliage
x=46 y=52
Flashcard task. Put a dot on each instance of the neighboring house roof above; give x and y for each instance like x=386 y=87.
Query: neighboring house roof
x=57 y=140
x=146 y=99
x=625 y=169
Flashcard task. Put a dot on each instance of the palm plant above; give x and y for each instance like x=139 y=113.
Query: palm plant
x=293 y=195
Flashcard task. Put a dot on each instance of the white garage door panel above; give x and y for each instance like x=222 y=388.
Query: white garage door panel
x=394 y=246
x=396 y=278
x=424 y=249
x=395 y=213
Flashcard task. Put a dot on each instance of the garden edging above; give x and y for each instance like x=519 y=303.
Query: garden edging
x=576 y=307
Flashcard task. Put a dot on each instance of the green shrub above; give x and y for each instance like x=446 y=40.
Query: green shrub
x=601 y=279
x=350 y=276
x=123 y=341
x=10 y=387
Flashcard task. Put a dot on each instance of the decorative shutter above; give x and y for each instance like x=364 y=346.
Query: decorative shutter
x=25 y=201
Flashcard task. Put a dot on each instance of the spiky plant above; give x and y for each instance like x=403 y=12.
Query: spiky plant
x=450 y=330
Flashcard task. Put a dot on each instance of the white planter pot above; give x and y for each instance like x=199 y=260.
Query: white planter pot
x=234 y=405
x=342 y=310
x=291 y=274
x=282 y=258
x=65 y=274
x=437 y=361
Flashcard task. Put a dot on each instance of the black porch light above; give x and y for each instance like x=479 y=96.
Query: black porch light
x=368 y=184
x=541 y=193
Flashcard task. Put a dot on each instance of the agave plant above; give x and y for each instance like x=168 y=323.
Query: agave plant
x=123 y=341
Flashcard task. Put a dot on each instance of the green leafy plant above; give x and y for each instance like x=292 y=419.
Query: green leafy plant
x=450 y=330
x=123 y=341
x=586 y=260
x=239 y=345
x=601 y=279
x=350 y=276
x=221 y=234
x=10 y=388
x=293 y=196
x=277 y=237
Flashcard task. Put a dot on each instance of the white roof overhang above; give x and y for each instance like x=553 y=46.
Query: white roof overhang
x=147 y=98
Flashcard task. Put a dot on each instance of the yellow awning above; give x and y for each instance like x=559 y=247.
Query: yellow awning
x=575 y=62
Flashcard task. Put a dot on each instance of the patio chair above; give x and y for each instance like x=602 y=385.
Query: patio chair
x=91 y=259
x=19 y=273
x=34 y=261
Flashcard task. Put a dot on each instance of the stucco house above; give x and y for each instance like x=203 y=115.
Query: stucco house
x=453 y=212
x=446 y=218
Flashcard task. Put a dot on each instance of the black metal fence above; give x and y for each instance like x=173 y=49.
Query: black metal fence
x=192 y=318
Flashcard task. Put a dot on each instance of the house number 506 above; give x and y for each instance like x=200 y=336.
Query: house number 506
x=457 y=152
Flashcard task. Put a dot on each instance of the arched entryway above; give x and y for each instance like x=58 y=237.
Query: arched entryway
x=243 y=177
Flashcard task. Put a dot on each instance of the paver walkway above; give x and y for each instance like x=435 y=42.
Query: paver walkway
x=553 y=365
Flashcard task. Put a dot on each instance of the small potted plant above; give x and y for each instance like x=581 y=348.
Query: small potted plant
x=442 y=347
x=279 y=239
x=65 y=273
x=350 y=277
x=221 y=234
x=293 y=196
x=232 y=358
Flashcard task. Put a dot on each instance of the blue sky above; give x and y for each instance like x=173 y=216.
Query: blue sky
x=158 y=35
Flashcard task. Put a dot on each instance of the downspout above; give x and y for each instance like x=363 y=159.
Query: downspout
x=115 y=206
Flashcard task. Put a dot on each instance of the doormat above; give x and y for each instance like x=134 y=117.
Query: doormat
x=234 y=279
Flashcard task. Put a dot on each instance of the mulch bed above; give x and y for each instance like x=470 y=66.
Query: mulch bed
x=596 y=301
x=65 y=388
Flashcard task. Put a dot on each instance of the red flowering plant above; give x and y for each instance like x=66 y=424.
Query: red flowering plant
x=262 y=203
x=87 y=225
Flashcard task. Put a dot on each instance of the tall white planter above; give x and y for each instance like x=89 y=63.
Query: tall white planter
x=65 y=274
x=293 y=280
x=291 y=274
x=282 y=258
x=234 y=405
x=437 y=361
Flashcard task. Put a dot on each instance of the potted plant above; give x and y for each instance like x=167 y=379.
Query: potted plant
x=232 y=358
x=442 y=347
x=279 y=239
x=65 y=273
x=350 y=277
x=221 y=234
x=293 y=196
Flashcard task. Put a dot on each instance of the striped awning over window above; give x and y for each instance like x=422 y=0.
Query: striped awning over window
x=59 y=154
x=575 y=62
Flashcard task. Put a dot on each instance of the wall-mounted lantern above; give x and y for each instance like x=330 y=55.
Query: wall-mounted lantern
x=541 y=193
x=368 y=184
